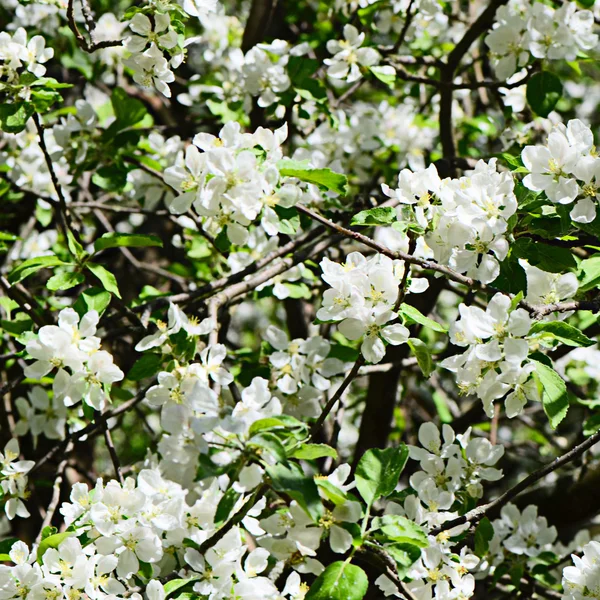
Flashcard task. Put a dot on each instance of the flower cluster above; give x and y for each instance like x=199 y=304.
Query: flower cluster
x=13 y=480
x=349 y=56
x=18 y=54
x=525 y=28
x=521 y=533
x=301 y=370
x=153 y=36
x=566 y=169
x=84 y=370
x=495 y=361
x=362 y=300
x=232 y=179
x=583 y=579
x=465 y=219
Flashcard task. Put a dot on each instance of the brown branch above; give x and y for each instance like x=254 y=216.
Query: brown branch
x=475 y=515
x=60 y=471
x=79 y=37
x=360 y=361
x=101 y=418
x=261 y=13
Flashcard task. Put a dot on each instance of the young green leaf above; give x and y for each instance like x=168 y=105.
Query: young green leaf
x=65 y=281
x=380 y=215
x=313 y=451
x=555 y=398
x=403 y=530
x=378 y=472
x=147 y=366
x=414 y=315
x=422 y=354
x=14 y=117
x=32 y=265
x=563 y=332
x=291 y=480
x=107 y=279
x=385 y=73
x=93 y=298
x=128 y=240
x=325 y=178
x=339 y=581
x=483 y=536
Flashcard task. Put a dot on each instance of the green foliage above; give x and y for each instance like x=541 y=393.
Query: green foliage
x=380 y=215
x=126 y=240
x=314 y=451
x=402 y=530
x=33 y=265
x=563 y=332
x=414 y=315
x=14 y=117
x=107 y=279
x=291 y=480
x=544 y=90
x=339 y=581
x=555 y=398
x=378 y=472
x=483 y=536
x=325 y=178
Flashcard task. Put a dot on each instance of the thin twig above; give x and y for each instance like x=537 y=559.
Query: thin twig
x=360 y=361
x=60 y=471
x=475 y=515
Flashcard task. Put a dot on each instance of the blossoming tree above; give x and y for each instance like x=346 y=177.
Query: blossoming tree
x=299 y=300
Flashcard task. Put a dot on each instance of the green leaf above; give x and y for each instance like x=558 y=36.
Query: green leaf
x=65 y=281
x=94 y=298
x=591 y=425
x=544 y=90
x=52 y=541
x=271 y=423
x=555 y=398
x=225 y=506
x=543 y=256
x=422 y=354
x=589 y=273
x=403 y=530
x=32 y=265
x=586 y=4
x=313 y=451
x=75 y=247
x=414 y=315
x=176 y=584
x=483 y=536
x=565 y=333
x=5 y=547
x=380 y=215
x=289 y=220
x=14 y=117
x=325 y=178
x=291 y=480
x=378 y=472
x=107 y=279
x=147 y=366
x=339 y=581
x=386 y=74
x=405 y=556
x=126 y=240
x=271 y=443
x=128 y=110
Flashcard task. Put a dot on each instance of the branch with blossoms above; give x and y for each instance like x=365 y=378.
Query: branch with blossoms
x=299 y=301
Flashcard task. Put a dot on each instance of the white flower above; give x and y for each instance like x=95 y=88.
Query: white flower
x=374 y=329
x=349 y=56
